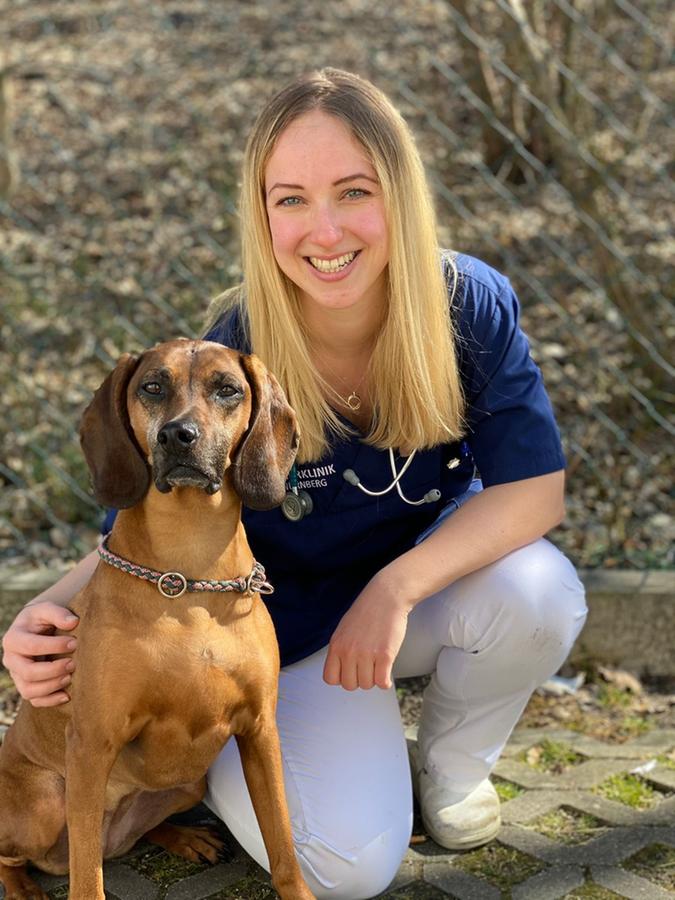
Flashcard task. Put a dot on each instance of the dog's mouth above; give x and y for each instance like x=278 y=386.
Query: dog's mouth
x=182 y=475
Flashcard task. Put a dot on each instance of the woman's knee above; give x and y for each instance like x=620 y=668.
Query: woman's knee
x=532 y=604
x=356 y=872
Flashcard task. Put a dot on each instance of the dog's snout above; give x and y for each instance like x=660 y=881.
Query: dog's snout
x=178 y=435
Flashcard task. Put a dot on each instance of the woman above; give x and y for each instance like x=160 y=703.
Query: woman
x=408 y=371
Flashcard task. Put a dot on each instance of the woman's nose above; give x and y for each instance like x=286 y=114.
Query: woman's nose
x=326 y=227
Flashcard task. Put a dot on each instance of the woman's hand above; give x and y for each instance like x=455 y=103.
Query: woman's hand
x=32 y=635
x=364 y=646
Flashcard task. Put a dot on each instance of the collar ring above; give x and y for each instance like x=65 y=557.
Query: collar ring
x=172 y=585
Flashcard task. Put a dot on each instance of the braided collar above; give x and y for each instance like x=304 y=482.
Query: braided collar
x=174 y=584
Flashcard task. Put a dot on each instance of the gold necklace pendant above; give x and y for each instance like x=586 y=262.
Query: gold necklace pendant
x=353 y=402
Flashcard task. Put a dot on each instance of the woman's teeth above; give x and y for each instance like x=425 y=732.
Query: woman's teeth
x=331 y=265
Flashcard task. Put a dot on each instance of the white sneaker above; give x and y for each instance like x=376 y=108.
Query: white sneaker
x=470 y=822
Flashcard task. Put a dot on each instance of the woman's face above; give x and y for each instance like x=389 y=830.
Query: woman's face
x=326 y=213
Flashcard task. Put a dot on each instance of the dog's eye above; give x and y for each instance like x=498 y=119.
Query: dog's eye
x=152 y=387
x=227 y=391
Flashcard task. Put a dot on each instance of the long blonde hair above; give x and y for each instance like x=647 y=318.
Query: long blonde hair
x=413 y=373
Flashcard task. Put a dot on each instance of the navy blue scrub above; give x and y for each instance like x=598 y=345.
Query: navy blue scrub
x=319 y=565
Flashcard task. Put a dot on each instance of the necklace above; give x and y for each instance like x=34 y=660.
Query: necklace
x=353 y=401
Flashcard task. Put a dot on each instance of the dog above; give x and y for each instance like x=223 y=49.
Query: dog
x=176 y=440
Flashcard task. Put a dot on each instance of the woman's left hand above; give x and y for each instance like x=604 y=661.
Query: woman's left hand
x=364 y=646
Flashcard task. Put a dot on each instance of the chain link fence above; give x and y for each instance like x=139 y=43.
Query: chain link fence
x=547 y=135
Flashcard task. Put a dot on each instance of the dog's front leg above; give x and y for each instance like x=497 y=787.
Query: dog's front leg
x=89 y=759
x=261 y=761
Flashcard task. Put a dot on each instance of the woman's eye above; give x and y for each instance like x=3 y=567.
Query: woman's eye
x=290 y=201
x=355 y=193
x=152 y=387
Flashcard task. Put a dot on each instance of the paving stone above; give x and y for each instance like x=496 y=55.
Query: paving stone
x=628 y=884
x=460 y=884
x=592 y=773
x=550 y=884
x=662 y=777
x=531 y=842
x=208 y=882
x=128 y=884
x=531 y=805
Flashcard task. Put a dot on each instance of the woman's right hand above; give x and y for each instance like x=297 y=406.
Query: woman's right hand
x=31 y=637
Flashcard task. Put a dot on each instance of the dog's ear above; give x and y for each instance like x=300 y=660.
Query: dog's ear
x=268 y=448
x=120 y=475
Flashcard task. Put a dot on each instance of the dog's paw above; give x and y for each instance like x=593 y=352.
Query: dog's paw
x=189 y=841
x=20 y=886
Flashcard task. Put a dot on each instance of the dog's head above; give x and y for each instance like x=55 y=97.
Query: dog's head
x=182 y=414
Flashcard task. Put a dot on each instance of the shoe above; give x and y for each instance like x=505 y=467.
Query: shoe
x=455 y=825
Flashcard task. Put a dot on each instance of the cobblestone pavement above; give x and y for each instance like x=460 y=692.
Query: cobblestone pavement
x=627 y=852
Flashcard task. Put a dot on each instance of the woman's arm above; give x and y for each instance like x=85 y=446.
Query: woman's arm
x=31 y=635
x=491 y=524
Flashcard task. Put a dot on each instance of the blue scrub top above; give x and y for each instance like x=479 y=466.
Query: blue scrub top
x=319 y=565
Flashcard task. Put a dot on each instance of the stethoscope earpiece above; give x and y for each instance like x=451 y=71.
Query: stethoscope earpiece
x=432 y=496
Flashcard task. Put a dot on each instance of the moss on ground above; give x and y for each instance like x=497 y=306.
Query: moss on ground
x=551 y=756
x=656 y=863
x=250 y=888
x=499 y=865
x=592 y=891
x=418 y=891
x=631 y=790
x=568 y=826
x=164 y=868
x=667 y=760
x=507 y=790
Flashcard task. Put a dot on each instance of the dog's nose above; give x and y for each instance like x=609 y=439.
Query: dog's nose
x=178 y=435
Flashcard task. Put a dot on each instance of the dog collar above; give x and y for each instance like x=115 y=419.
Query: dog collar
x=174 y=584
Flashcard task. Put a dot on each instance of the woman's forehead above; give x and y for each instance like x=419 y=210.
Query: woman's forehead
x=316 y=144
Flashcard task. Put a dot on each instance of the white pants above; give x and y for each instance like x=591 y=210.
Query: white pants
x=488 y=641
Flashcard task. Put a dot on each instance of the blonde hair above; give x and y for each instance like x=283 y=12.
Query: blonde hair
x=413 y=374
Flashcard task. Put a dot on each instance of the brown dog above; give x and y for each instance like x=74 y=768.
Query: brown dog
x=176 y=439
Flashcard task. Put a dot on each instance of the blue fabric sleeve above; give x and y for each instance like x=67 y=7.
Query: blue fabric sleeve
x=512 y=431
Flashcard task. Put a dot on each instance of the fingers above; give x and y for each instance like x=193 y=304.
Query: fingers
x=28 y=670
x=42 y=682
x=351 y=672
x=46 y=693
x=24 y=643
x=41 y=618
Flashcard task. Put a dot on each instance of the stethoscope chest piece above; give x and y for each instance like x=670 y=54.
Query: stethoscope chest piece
x=296 y=505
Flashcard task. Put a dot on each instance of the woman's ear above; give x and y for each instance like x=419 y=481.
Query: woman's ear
x=267 y=450
x=120 y=474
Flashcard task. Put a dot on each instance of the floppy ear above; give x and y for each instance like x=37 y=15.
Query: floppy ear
x=268 y=448
x=119 y=472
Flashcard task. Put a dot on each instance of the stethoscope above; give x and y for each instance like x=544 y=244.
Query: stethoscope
x=297 y=503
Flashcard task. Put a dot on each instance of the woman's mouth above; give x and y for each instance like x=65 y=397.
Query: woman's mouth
x=332 y=266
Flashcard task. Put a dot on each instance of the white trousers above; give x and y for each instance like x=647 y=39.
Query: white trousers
x=488 y=641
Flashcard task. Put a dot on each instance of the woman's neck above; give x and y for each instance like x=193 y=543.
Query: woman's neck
x=344 y=334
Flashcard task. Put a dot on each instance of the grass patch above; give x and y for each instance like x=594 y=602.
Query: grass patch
x=632 y=726
x=656 y=863
x=507 y=790
x=551 y=756
x=499 y=865
x=164 y=868
x=247 y=889
x=59 y=893
x=667 y=760
x=568 y=826
x=591 y=891
x=612 y=697
x=631 y=790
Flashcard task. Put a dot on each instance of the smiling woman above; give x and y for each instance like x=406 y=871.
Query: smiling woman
x=408 y=371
